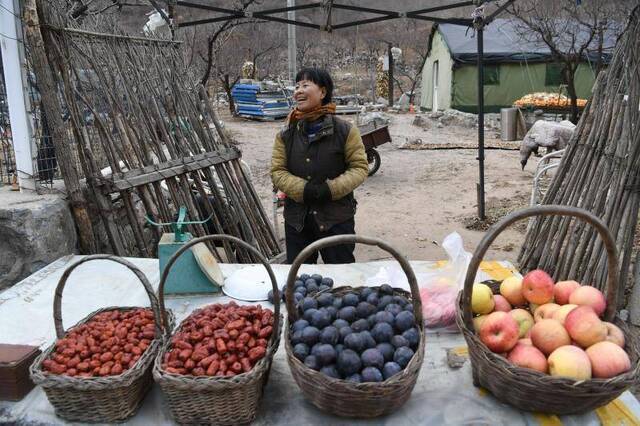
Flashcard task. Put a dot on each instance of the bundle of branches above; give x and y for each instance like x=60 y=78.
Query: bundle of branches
x=600 y=172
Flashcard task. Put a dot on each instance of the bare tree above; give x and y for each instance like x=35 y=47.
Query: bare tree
x=571 y=32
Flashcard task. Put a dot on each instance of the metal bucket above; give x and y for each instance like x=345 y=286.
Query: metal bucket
x=508 y=124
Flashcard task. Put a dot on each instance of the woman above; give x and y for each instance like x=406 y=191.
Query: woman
x=318 y=160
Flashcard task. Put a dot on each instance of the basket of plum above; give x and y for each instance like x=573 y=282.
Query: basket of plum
x=354 y=351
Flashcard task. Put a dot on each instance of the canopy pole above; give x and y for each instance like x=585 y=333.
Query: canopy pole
x=480 y=65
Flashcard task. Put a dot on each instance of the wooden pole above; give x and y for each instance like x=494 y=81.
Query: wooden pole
x=49 y=95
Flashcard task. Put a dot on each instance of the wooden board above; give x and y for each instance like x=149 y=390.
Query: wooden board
x=208 y=264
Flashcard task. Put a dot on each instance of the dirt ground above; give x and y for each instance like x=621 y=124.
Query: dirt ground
x=418 y=196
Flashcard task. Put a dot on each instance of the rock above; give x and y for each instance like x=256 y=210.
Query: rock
x=413 y=143
x=36 y=230
x=376 y=118
x=435 y=115
x=421 y=121
x=382 y=101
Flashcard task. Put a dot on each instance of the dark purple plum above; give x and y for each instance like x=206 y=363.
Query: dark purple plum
x=350 y=299
x=299 y=325
x=320 y=319
x=332 y=311
x=302 y=290
x=371 y=320
x=369 y=341
x=371 y=374
x=408 y=307
x=308 y=314
x=309 y=303
x=314 y=349
x=296 y=337
x=398 y=341
x=382 y=332
x=385 y=289
x=390 y=369
x=404 y=320
x=270 y=296
x=372 y=358
x=312 y=287
x=329 y=335
x=298 y=284
x=317 y=278
x=365 y=292
x=360 y=325
x=344 y=332
x=354 y=341
x=364 y=309
x=301 y=351
x=385 y=316
x=331 y=371
x=348 y=313
x=304 y=277
x=393 y=308
x=384 y=301
x=413 y=337
x=309 y=282
x=339 y=323
x=325 y=299
x=349 y=362
x=373 y=299
x=400 y=300
x=297 y=298
x=323 y=287
x=387 y=350
x=337 y=302
x=312 y=362
x=310 y=335
x=327 y=281
x=326 y=354
x=402 y=356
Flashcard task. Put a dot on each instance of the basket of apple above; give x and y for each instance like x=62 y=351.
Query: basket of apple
x=545 y=346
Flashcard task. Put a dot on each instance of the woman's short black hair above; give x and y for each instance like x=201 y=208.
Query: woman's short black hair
x=320 y=77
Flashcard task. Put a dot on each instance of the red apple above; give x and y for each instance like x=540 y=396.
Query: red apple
x=527 y=356
x=545 y=311
x=584 y=326
x=501 y=303
x=562 y=290
x=499 y=331
x=571 y=362
x=537 y=287
x=589 y=296
x=608 y=360
x=548 y=335
x=614 y=334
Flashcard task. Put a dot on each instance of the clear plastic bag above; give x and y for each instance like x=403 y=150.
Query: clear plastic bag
x=438 y=288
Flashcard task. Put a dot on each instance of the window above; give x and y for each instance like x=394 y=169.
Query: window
x=491 y=75
x=553 y=75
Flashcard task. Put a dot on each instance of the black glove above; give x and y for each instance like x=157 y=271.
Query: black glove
x=316 y=193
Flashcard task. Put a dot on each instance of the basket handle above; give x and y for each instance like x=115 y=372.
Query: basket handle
x=545 y=210
x=241 y=243
x=57 y=299
x=351 y=239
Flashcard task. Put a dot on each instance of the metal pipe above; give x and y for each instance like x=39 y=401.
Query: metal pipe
x=480 y=40
x=291 y=41
x=390 y=75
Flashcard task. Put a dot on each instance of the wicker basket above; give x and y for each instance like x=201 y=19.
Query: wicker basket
x=99 y=399
x=527 y=389
x=340 y=397
x=217 y=400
